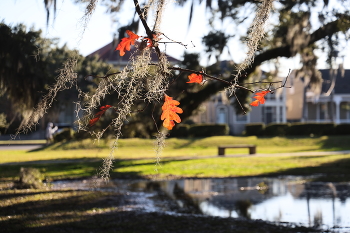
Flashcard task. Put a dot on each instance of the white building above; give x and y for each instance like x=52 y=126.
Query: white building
x=332 y=104
x=220 y=110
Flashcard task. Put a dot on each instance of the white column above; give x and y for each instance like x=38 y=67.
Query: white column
x=337 y=101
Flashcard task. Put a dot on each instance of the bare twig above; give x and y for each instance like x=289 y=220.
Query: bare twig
x=106 y=76
x=208 y=76
x=239 y=102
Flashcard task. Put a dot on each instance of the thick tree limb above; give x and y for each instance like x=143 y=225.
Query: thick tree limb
x=192 y=101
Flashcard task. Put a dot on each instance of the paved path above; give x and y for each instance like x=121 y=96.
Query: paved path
x=306 y=153
x=20 y=147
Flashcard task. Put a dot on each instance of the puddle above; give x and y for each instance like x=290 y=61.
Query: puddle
x=281 y=200
x=324 y=205
x=140 y=197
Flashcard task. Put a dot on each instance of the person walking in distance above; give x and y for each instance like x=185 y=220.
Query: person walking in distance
x=50 y=130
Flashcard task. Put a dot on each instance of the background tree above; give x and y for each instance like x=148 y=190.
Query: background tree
x=151 y=83
x=29 y=67
x=292 y=33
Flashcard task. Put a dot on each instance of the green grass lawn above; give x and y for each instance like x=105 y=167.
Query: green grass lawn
x=86 y=157
x=332 y=165
x=144 y=148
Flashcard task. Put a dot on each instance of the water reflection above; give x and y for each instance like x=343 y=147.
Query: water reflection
x=280 y=200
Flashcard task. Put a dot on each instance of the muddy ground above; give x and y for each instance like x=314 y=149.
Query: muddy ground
x=73 y=209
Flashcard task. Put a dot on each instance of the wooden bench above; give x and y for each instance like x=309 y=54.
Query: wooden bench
x=221 y=151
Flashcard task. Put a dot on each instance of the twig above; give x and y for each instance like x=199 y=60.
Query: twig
x=263 y=82
x=208 y=76
x=147 y=29
x=283 y=84
x=154 y=120
x=239 y=102
x=106 y=76
x=173 y=41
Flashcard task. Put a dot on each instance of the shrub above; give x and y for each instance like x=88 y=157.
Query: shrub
x=180 y=131
x=207 y=130
x=29 y=178
x=81 y=134
x=256 y=129
x=134 y=130
x=312 y=128
x=276 y=129
x=342 y=129
x=65 y=134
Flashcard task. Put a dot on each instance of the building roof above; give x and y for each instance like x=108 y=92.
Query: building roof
x=108 y=54
x=342 y=81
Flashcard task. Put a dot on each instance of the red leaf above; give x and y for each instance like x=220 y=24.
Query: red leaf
x=170 y=111
x=195 y=78
x=126 y=42
x=93 y=121
x=99 y=114
x=104 y=108
x=259 y=96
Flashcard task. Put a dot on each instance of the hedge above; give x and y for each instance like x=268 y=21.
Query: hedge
x=256 y=129
x=296 y=129
x=207 y=130
x=65 y=134
x=277 y=129
x=342 y=129
x=180 y=131
x=318 y=129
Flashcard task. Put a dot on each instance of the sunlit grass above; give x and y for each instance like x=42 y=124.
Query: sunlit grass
x=240 y=166
x=210 y=167
x=83 y=158
x=136 y=148
x=28 y=142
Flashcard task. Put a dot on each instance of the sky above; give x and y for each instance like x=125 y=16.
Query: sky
x=68 y=28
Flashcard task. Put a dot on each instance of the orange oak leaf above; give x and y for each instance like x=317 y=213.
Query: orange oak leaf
x=259 y=96
x=170 y=111
x=127 y=42
x=99 y=114
x=195 y=78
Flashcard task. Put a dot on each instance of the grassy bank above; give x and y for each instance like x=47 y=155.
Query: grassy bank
x=82 y=211
x=82 y=158
x=336 y=167
x=196 y=147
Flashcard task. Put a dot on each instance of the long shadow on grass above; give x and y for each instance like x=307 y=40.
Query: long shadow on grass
x=33 y=202
x=336 y=171
x=336 y=142
x=83 y=211
x=68 y=168
x=50 y=146
x=189 y=143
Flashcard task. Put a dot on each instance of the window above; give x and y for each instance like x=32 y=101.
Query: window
x=268 y=114
x=281 y=114
x=270 y=96
x=221 y=115
x=241 y=118
x=345 y=110
x=323 y=111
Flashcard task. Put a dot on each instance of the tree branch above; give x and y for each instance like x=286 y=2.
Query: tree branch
x=192 y=101
x=145 y=25
x=331 y=28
